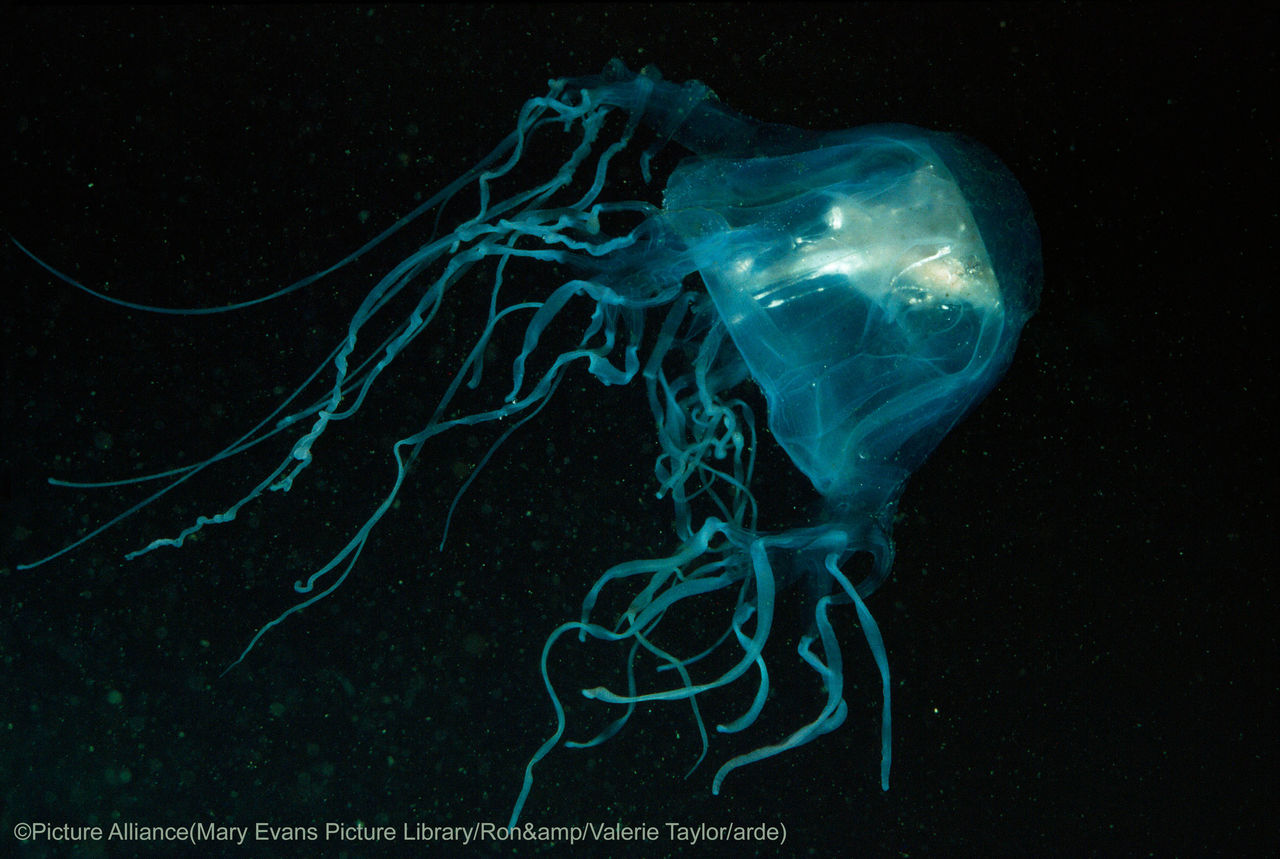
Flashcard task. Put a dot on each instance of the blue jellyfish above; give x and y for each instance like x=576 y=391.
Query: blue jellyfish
x=871 y=282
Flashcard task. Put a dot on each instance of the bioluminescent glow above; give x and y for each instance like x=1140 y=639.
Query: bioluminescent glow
x=872 y=282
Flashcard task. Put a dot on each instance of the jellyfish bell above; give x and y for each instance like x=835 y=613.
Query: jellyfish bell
x=871 y=282
x=856 y=282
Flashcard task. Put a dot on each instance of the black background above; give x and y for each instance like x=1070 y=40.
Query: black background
x=1079 y=622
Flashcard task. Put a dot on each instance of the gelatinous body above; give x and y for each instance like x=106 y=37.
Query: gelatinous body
x=871 y=282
